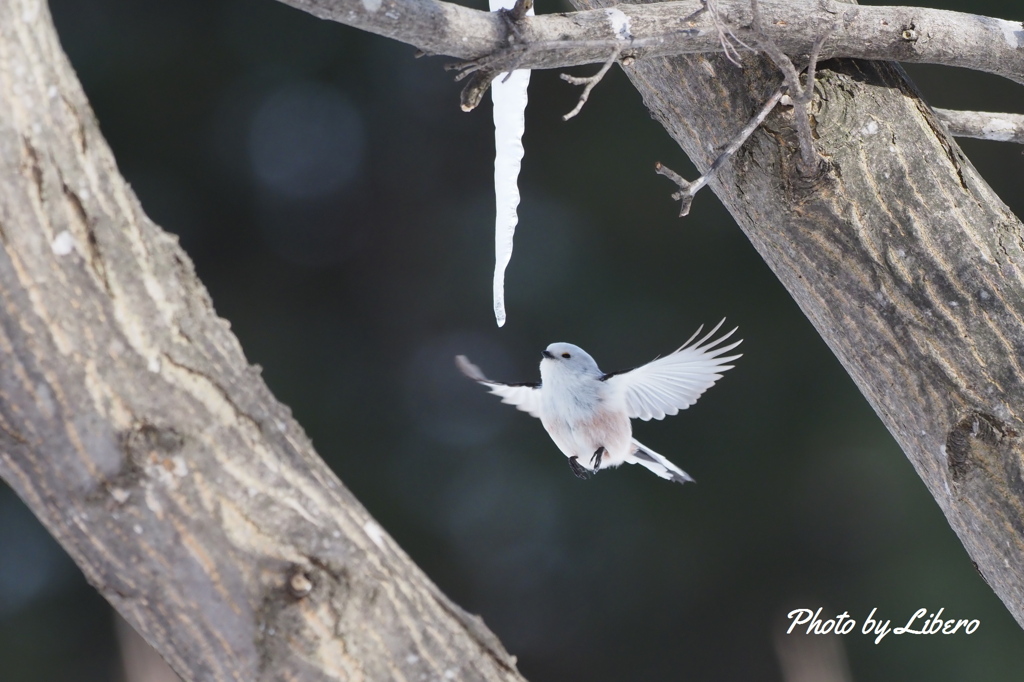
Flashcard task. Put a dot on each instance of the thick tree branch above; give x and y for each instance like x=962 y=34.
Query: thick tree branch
x=903 y=258
x=906 y=34
x=984 y=125
x=133 y=427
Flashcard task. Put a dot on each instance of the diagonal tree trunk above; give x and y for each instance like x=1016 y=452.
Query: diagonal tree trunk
x=904 y=259
x=133 y=427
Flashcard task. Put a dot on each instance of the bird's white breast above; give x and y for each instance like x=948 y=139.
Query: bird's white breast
x=579 y=418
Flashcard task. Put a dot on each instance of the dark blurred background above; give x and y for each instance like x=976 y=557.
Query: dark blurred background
x=339 y=207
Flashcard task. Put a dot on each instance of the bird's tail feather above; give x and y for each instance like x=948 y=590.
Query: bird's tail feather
x=657 y=464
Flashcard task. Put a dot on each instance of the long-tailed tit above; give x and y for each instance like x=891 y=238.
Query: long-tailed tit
x=587 y=412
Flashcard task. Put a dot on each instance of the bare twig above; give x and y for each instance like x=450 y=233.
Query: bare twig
x=800 y=93
x=516 y=14
x=984 y=125
x=726 y=37
x=589 y=82
x=688 y=189
x=473 y=92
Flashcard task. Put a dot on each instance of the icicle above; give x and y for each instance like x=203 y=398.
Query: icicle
x=509 y=99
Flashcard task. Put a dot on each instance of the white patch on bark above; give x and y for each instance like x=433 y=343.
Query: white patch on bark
x=179 y=467
x=998 y=130
x=372 y=6
x=63 y=244
x=153 y=503
x=620 y=24
x=1013 y=33
x=31 y=11
x=375 y=533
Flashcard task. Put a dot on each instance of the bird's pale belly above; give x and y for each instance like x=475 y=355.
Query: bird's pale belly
x=582 y=437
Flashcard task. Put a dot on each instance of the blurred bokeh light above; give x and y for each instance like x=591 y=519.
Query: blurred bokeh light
x=338 y=205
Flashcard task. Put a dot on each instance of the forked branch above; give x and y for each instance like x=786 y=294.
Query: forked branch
x=688 y=189
x=588 y=82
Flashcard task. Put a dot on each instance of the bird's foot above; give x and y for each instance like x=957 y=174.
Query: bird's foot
x=578 y=469
x=595 y=461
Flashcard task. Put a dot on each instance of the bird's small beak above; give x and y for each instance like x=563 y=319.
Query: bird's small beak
x=547 y=355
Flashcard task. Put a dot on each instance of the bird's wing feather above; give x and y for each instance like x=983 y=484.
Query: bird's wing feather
x=672 y=383
x=525 y=397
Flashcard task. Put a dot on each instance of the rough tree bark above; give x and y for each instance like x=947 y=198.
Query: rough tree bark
x=133 y=427
x=904 y=259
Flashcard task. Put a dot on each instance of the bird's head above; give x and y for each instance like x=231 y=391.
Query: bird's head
x=565 y=360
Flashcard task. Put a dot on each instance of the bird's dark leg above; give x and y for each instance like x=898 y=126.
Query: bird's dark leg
x=595 y=461
x=577 y=468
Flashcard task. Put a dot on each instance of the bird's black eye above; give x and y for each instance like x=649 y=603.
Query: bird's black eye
x=565 y=355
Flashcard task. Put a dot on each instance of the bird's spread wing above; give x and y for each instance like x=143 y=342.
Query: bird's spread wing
x=674 y=382
x=526 y=397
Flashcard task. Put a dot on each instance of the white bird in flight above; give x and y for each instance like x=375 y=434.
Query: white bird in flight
x=587 y=412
